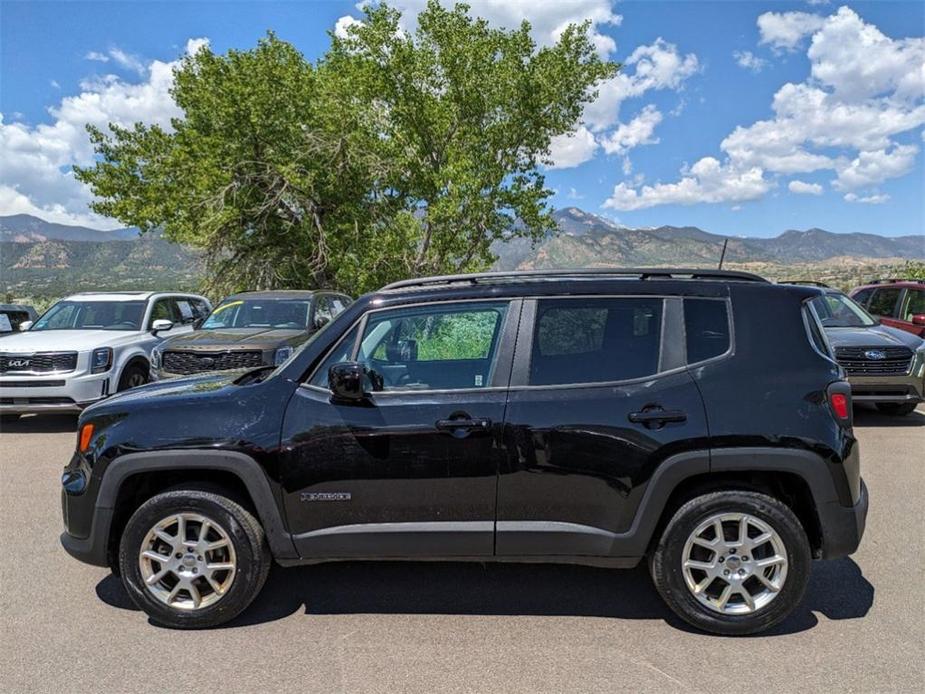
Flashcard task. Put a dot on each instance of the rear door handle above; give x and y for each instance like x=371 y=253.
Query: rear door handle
x=481 y=424
x=656 y=417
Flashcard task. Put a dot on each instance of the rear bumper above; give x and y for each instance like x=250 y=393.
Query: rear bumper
x=843 y=527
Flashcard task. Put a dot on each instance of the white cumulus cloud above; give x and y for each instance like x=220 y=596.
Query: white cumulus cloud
x=570 y=150
x=874 y=199
x=864 y=90
x=706 y=181
x=804 y=188
x=749 y=61
x=639 y=131
x=36 y=176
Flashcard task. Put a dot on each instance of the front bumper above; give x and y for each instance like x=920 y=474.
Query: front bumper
x=904 y=388
x=68 y=392
x=843 y=526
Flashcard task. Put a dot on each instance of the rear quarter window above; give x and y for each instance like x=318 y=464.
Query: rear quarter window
x=883 y=302
x=706 y=328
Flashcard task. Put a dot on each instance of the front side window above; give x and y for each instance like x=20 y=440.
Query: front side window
x=444 y=347
x=93 y=315
x=883 y=302
x=838 y=311
x=863 y=296
x=286 y=314
x=706 y=329
x=595 y=340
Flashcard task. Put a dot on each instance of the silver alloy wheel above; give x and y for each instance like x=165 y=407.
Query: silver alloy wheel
x=187 y=561
x=734 y=563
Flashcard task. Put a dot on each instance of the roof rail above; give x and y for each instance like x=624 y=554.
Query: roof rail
x=579 y=273
x=127 y=291
x=891 y=280
x=806 y=283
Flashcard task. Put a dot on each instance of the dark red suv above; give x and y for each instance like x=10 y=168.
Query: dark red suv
x=896 y=302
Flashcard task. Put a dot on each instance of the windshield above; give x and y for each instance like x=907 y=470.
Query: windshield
x=838 y=311
x=92 y=315
x=260 y=313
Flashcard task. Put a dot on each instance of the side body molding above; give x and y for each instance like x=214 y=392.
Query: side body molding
x=242 y=466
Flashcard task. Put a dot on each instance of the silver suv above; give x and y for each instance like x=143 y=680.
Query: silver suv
x=88 y=346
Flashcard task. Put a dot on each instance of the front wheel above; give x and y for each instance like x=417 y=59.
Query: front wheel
x=899 y=409
x=192 y=559
x=732 y=562
x=132 y=377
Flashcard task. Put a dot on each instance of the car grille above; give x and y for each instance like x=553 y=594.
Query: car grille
x=49 y=362
x=197 y=362
x=36 y=401
x=858 y=362
x=31 y=384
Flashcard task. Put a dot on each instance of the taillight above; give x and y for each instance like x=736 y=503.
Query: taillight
x=86 y=433
x=840 y=405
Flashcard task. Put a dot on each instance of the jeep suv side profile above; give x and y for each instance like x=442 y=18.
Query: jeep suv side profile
x=600 y=417
x=87 y=346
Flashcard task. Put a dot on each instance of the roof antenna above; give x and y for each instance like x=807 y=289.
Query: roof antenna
x=723 y=255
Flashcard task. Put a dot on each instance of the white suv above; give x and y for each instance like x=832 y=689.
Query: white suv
x=88 y=346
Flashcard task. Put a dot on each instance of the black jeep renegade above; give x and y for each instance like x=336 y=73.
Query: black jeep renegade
x=691 y=418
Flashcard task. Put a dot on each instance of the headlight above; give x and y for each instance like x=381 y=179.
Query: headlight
x=101 y=360
x=282 y=354
x=156 y=357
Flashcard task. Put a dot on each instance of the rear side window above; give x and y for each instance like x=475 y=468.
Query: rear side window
x=883 y=302
x=595 y=340
x=915 y=304
x=706 y=326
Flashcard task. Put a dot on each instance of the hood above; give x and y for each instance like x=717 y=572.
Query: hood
x=166 y=391
x=64 y=340
x=874 y=336
x=236 y=338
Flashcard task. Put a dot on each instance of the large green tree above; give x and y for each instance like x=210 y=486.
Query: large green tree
x=396 y=154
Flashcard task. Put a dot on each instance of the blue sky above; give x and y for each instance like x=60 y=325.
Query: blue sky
x=741 y=118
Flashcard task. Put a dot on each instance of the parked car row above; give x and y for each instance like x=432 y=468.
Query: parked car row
x=91 y=345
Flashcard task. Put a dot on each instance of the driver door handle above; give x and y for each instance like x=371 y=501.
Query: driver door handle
x=656 y=417
x=478 y=423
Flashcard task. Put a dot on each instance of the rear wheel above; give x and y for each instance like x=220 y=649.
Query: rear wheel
x=897 y=408
x=192 y=559
x=732 y=562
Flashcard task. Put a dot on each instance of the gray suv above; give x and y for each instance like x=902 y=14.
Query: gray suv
x=884 y=365
x=247 y=330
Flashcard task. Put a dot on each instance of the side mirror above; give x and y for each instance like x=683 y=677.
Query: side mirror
x=346 y=381
x=918 y=319
x=161 y=325
x=25 y=325
x=321 y=321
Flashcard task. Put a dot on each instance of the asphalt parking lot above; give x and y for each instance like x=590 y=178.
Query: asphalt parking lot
x=388 y=627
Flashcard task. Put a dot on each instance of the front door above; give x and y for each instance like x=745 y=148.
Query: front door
x=600 y=400
x=412 y=470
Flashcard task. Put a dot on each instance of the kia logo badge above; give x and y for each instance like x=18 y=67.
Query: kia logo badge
x=18 y=363
x=208 y=361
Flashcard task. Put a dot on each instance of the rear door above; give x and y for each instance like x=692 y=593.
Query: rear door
x=599 y=397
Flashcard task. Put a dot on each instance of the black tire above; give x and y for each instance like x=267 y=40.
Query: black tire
x=897 y=409
x=133 y=375
x=252 y=554
x=665 y=562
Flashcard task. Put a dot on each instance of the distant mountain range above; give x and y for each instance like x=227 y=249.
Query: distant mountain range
x=42 y=258
x=588 y=240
